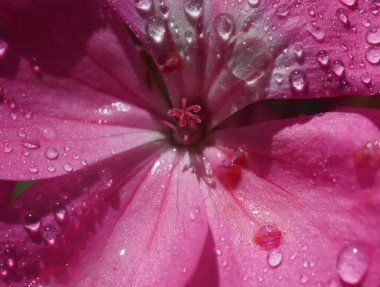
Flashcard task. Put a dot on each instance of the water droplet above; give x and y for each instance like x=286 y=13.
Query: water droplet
x=68 y=167
x=349 y=3
x=32 y=145
x=218 y=252
x=50 y=234
x=323 y=58
x=224 y=26
x=6 y=147
x=283 y=11
x=373 y=55
x=106 y=177
x=298 y=80
x=59 y=211
x=338 y=68
x=32 y=223
x=352 y=264
x=315 y=31
x=33 y=168
x=51 y=153
x=274 y=258
x=299 y=52
x=303 y=279
x=373 y=36
x=342 y=17
x=250 y=60
x=366 y=78
x=3 y=49
x=144 y=5
x=50 y=168
x=155 y=28
x=189 y=37
x=268 y=237
x=254 y=3
x=194 y=214
x=193 y=8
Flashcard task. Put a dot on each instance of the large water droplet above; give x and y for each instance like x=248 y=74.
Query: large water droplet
x=68 y=167
x=33 y=168
x=32 y=224
x=144 y=5
x=268 y=237
x=338 y=68
x=349 y=3
x=373 y=55
x=250 y=60
x=352 y=264
x=274 y=258
x=51 y=153
x=298 y=80
x=193 y=8
x=224 y=26
x=254 y=3
x=323 y=58
x=155 y=27
x=373 y=36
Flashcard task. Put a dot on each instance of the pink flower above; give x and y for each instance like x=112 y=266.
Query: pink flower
x=115 y=108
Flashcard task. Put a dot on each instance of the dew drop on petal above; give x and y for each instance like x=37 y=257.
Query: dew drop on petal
x=249 y=60
x=254 y=3
x=317 y=32
x=268 y=237
x=304 y=279
x=155 y=28
x=193 y=8
x=342 y=17
x=373 y=55
x=283 y=11
x=51 y=168
x=51 y=153
x=366 y=78
x=299 y=52
x=59 y=212
x=323 y=58
x=33 y=168
x=274 y=258
x=352 y=264
x=32 y=145
x=32 y=223
x=50 y=234
x=224 y=26
x=373 y=36
x=349 y=3
x=338 y=68
x=68 y=167
x=298 y=80
x=143 y=5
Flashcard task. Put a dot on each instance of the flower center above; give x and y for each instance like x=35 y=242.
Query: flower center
x=186 y=129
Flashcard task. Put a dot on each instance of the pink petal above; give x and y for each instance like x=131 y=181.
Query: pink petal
x=239 y=52
x=140 y=223
x=73 y=57
x=43 y=146
x=315 y=180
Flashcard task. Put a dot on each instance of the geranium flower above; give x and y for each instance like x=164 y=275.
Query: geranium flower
x=116 y=109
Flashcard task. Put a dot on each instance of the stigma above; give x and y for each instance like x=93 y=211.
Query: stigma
x=186 y=129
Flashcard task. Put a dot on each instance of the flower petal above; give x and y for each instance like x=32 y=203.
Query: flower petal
x=6 y=191
x=42 y=146
x=239 y=52
x=305 y=208
x=70 y=57
x=139 y=224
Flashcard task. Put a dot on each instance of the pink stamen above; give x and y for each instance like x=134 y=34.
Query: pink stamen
x=186 y=116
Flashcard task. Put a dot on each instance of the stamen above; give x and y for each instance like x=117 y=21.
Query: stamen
x=186 y=130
